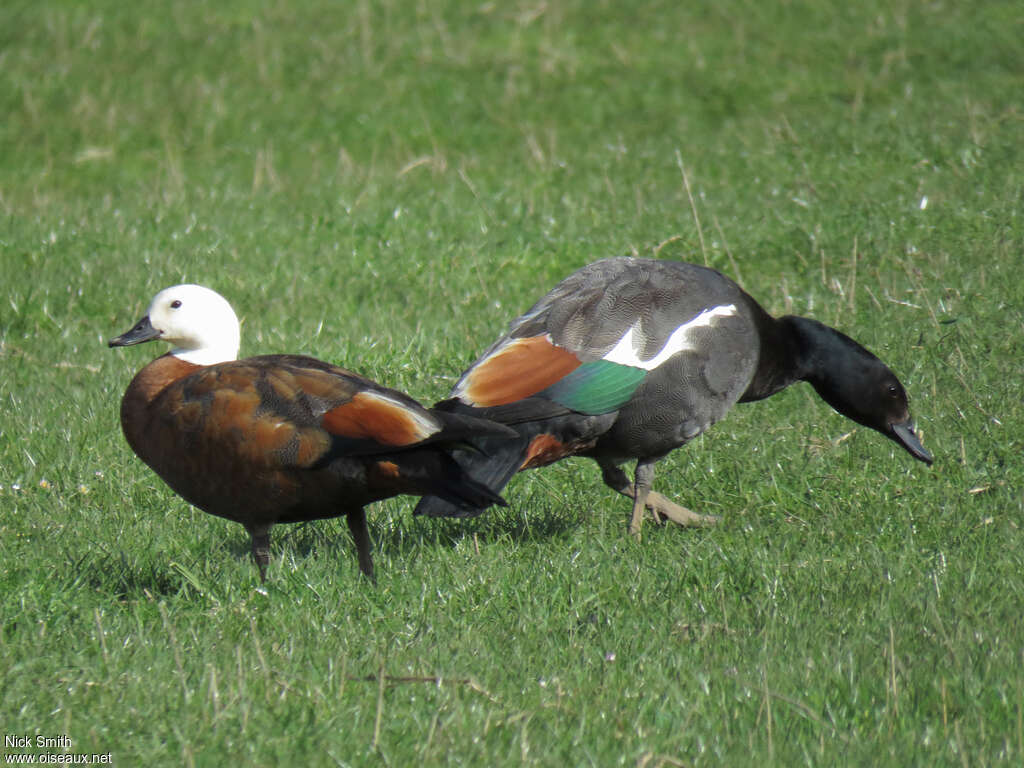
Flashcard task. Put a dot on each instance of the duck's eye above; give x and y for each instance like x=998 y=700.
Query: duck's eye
x=175 y=304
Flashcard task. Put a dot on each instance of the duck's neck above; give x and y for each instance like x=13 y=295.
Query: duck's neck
x=210 y=353
x=783 y=351
x=800 y=349
x=796 y=349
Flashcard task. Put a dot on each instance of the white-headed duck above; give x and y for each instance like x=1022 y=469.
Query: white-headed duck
x=282 y=438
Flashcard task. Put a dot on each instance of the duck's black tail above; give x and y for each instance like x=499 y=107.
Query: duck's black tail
x=488 y=464
x=542 y=432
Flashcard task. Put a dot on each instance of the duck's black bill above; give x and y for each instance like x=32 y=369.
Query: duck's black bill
x=143 y=331
x=903 y=433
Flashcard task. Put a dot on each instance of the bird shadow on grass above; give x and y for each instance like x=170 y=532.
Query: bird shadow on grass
x=515 y=525
x=129 y=573
x=397 y=533
x=118 y=575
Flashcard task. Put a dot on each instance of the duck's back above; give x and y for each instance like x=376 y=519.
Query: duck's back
x=591 y=310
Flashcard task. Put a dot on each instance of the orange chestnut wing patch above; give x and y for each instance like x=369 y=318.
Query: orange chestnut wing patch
x=521 y=368
x=372 y=416
x=543 y=450
x=546 y=449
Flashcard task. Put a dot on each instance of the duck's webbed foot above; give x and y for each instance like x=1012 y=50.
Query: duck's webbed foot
x=660 y=507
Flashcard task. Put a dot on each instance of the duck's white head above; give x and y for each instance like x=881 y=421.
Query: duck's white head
x=198 y=322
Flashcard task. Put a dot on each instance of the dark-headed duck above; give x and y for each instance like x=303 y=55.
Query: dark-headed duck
x=631 y=358
x=282 y=438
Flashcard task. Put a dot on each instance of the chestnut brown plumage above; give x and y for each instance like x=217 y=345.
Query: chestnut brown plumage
x=282 y=438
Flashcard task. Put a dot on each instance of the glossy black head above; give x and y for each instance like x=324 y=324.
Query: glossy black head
x=857 y=384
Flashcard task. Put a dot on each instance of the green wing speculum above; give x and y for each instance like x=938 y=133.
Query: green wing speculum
x=596 y=387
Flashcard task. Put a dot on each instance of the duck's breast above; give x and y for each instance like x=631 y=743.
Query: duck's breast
x=244 y=440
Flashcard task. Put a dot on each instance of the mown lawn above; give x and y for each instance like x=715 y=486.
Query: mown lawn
x=385 y=185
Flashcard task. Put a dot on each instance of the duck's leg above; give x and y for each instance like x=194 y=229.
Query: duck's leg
x=617 y=480
x=361 y=536
x=643 y=477
x=260 y=535
x=660 y=507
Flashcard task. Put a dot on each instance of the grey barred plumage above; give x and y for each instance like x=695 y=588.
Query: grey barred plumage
x=631 y=358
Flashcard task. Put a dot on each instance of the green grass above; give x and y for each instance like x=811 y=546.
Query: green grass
x=386 y=185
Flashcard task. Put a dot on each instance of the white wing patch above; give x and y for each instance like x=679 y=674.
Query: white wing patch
x=625 y=353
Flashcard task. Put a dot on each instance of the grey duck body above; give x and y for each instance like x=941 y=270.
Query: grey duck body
x=632 y=358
